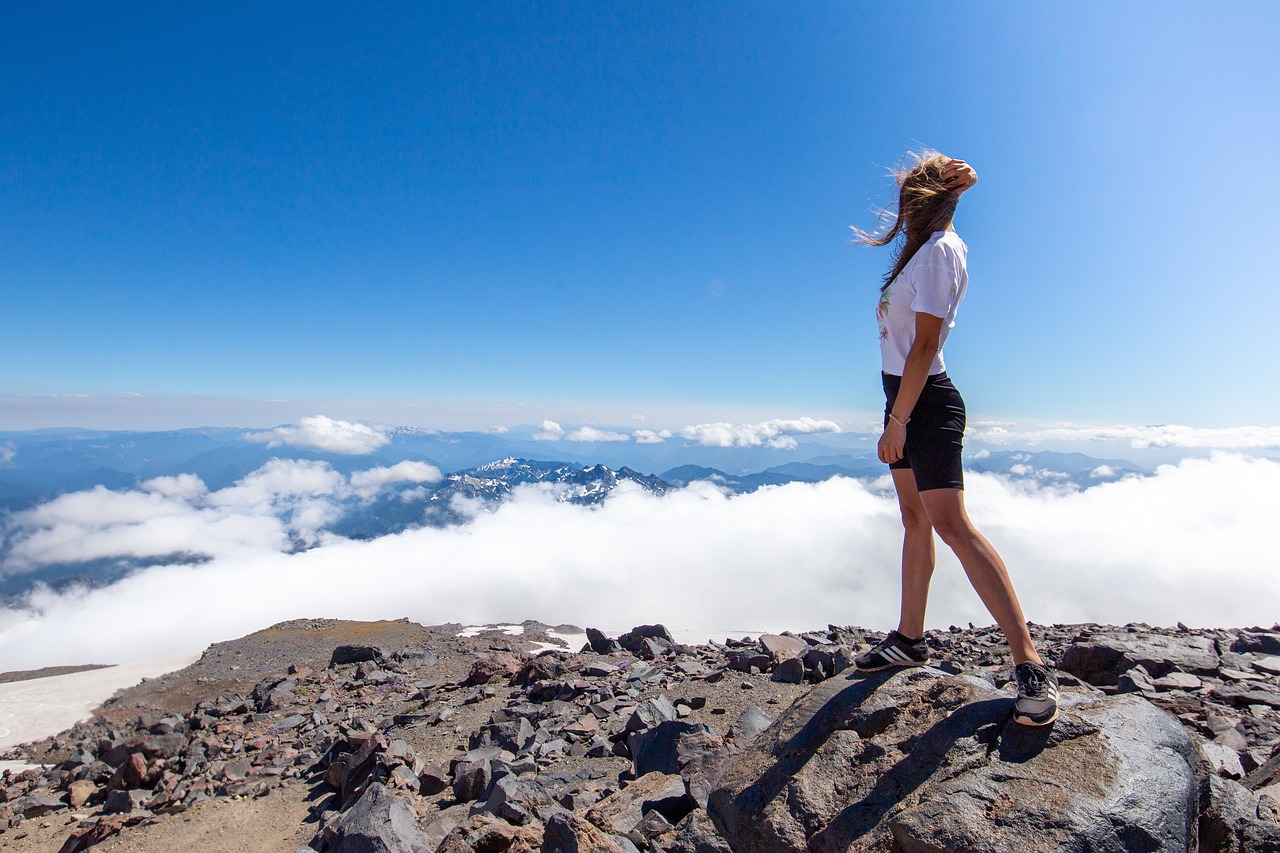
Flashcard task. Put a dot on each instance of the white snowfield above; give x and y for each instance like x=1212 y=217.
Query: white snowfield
x=34 y=709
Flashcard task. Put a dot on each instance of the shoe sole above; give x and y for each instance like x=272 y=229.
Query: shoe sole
x=1027 y=721
x=890 y=666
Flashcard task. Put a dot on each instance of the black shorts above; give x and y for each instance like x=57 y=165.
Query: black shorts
x=934 y=433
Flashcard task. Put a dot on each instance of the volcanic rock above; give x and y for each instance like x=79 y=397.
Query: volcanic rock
x=937 y=755
x=379 y=821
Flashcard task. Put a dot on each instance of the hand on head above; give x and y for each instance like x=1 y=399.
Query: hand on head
x=958 y=176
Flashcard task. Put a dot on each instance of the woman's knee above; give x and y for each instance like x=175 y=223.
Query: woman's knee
x=915 y=520
x=954 y=531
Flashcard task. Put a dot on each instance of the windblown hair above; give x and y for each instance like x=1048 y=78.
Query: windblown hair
x=925 y=205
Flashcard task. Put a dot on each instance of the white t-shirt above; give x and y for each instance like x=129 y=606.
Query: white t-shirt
x=933 y=281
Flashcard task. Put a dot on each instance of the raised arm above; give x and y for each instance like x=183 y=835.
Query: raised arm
x=959 y=176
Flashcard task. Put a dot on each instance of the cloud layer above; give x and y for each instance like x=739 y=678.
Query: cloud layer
x=325 y=435
x=1164 y=435
x=776 y=433
x=1191 y=543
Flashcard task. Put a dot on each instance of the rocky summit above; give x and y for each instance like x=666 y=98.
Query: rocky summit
x=320 y=735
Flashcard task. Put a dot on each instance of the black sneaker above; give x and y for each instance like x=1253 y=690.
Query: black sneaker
x=1037 y=703
x=893 y=650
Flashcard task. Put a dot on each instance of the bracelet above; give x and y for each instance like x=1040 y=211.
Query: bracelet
x=898 y=422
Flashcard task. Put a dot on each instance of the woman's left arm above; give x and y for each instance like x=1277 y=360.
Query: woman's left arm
x=914 y=374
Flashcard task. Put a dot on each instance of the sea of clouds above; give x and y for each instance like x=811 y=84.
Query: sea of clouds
x=1191 y=543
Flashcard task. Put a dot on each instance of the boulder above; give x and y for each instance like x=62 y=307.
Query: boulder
x=1260 y=642
x=750 y=723
x=1230 y=821
x=379 y=822
x=566 y=832
x=1102 y=658
x=356 y=654
x=500 y=665
x=790 y=671
x=601 y=644
x=696 y=834
x=633 y=640
x=650 y=712
x=79 y=793
x=659 y=748
x=937 y=757
x=779 y=646
x=619 y=812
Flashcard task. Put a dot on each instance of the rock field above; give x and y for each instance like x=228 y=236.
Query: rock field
x=403 y=737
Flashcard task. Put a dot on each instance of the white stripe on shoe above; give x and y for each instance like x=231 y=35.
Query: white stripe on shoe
x=896 y=654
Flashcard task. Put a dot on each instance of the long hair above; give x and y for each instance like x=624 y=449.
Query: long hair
x=925 y=205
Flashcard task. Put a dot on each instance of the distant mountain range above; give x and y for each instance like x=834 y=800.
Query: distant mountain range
x=42 y=465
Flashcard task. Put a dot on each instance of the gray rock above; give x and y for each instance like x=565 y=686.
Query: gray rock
x=433 y=779
x=936 y=755
x=356 y=654
x=1136 y=680
x=1268 y=664
x=520 y=801
x=601 y=644
x=619 y=812
x=650 y=712
x=41 y=803
x=1265 y=643
x=1223 y=760
x=471 y=780
x=1103 y=657
x=778 y=644
x=750 y=723
x=696 y=834
x=633 y=640
x=379 y=822
x=1229 y=821
x=659 y=748
x=790 y=671
x=124 y=802
x=568 y=833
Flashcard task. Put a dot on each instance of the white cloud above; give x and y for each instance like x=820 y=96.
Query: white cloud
x=1165 y=435
x=1103 y=471
x=548 y=431
x=7 y=452
x=368 y=483
x=776 y=433
x=648 y=436
x=589 y=433
x=1177 y=545
x=496 y=429
x=326 y=435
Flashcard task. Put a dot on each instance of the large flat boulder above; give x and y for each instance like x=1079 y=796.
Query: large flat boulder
x=921 y=761
x=1103 y=658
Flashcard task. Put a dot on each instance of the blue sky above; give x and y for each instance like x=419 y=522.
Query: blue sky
x=639 y=206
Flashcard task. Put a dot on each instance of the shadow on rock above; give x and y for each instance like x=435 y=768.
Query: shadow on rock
x=920 y=761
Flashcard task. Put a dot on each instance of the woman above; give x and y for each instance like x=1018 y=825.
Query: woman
x=924 y=424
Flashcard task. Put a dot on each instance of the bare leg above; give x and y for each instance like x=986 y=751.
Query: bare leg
x=917 y=554
x=984 y=567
